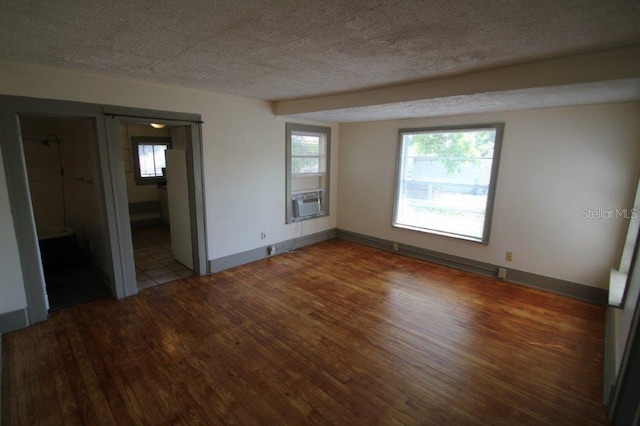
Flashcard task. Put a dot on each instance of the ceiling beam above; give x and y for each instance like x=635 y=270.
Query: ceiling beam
x=606 y=65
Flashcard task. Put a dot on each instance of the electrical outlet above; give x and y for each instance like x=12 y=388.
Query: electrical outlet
x=502 y=273
x=509 y=257
x=263 y=235
x=395 y=247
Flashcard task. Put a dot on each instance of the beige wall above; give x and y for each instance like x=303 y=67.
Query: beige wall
x=555 y=162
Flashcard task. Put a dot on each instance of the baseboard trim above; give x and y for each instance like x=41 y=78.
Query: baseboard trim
x=220 y=264
x=15 y=320
x=555 y=285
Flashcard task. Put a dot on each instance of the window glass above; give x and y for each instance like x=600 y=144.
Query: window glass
x=307 y=171
x=149 y=158
x=446 y=179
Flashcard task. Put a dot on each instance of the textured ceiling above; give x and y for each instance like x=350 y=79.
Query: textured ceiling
x=284 y=49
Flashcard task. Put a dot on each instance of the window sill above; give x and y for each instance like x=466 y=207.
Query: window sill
x=307 y=175
x=441 y=233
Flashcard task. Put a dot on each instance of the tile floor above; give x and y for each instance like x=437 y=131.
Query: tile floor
x=154 y=262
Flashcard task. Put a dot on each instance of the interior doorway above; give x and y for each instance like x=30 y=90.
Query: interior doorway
x=178 y=137
x=109 y=182
x=68 y=207
x=157 y=194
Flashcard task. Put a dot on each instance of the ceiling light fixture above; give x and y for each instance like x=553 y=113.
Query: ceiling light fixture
x=157 y=125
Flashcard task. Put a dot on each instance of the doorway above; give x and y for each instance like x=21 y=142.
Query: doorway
x=158 y=203
x=121 y=274
x=68 y=207
x=185 y=202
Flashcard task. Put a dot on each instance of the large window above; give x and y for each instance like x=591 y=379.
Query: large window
x=148 y=158
x=308 y=149
x=446 y=180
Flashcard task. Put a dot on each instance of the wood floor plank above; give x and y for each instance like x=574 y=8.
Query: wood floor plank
x=494 y=402
x=354 y=341
x=329 y=356
x=334 y=333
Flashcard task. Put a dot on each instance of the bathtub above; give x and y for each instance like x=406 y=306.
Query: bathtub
x=58 y=247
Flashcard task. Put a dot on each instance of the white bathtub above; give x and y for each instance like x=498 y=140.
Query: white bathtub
x=54 y=232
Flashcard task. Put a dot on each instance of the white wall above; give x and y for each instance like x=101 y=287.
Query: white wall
x=248 y=165
x=243 y=153
x=555 y=162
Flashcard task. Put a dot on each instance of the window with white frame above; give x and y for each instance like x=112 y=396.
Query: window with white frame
x=148 y=158
x=307 y=163
x=446 y=180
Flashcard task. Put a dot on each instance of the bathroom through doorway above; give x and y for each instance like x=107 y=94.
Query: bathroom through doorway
x=67 y=204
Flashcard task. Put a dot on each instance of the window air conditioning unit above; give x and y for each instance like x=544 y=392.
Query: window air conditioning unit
x=307 y=204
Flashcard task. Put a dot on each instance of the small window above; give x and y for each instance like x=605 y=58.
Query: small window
x=307 y=174
x=308 y=154
x=446 y=180
x=148 y=159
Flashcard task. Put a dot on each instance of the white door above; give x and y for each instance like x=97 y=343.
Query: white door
x=179 y=212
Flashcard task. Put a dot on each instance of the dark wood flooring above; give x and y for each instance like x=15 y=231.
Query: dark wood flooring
x=74 y=283
x=335 y=333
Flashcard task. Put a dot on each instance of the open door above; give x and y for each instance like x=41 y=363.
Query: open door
x=179 y=210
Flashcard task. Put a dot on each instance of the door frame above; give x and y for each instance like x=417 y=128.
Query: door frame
x=114 y=117
x=20 y=198
x=111 y=170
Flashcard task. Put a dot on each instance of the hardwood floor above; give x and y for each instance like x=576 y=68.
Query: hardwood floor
x=335 y=333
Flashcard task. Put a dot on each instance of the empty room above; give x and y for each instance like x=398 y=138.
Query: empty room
x=282 y=212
